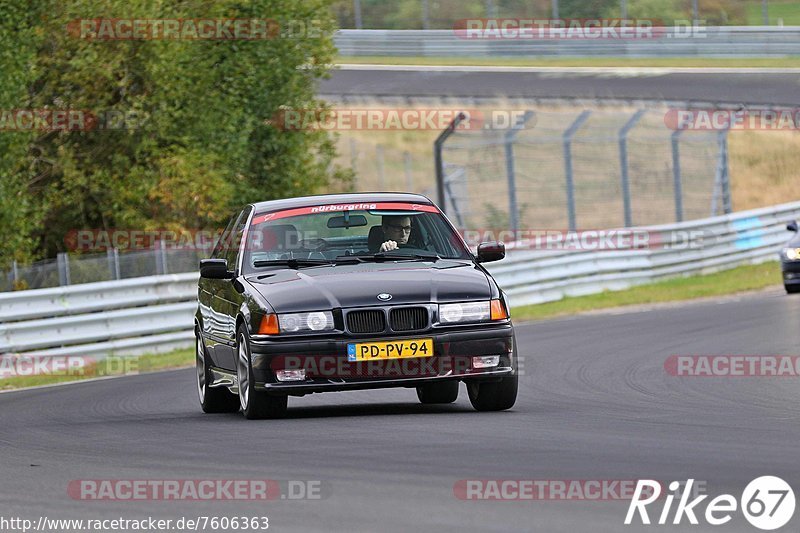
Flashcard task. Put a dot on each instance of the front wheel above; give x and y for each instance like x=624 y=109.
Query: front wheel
x=255 y=404
x=792 y=289
x=493 y=396
x=216 y=399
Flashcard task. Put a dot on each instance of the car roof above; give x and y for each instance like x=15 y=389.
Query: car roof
x=324 y=199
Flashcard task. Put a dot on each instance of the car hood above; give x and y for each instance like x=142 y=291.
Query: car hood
x=329 y=287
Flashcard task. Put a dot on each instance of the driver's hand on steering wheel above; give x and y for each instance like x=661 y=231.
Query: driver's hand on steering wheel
x=388 y=245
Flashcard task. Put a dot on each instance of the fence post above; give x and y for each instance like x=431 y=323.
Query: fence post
x=623 y=163
x=437 y=159
x=727 y=208
x=379 y=160
x=14 y=274
x=409 y=175
x=676 y=175
x=567 y=142
x=510 y=137
x=113 y=262
x=62 y=260
x=721 y=183
x=160 y=257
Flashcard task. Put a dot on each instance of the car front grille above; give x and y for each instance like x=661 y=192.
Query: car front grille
x=370 y=321
x=408 y=318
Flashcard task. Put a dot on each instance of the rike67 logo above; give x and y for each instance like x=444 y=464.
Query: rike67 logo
x=767 y=503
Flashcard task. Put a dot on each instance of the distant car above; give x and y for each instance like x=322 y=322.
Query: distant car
x=309 y=295
x=790 y=261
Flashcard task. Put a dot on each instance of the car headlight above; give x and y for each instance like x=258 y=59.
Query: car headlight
x=472 y=312
x=792 y=253
x=314 y=322
x=302 y=322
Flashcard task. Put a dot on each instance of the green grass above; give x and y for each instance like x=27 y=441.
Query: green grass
x=743 y=278
x=112 y=366
x=789 y=11
x=776 y=62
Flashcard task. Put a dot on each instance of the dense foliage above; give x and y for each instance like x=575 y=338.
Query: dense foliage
x=183 y=133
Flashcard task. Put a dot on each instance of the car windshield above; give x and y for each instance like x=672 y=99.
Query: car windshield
x=310 y=236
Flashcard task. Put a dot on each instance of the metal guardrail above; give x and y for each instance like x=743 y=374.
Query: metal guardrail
x=530 y=277
x=720 y=41
x=131 y=316
x=153 y=314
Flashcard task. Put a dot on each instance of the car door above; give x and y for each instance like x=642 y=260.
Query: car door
x=228 y=298
x=210 y=302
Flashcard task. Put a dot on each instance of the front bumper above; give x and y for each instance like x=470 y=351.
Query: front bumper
x=791 y=272
x=327 y=368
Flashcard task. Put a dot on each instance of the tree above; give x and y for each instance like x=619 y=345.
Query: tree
x=195 y=142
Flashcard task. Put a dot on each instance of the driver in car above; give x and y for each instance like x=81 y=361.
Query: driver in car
x=396 y=231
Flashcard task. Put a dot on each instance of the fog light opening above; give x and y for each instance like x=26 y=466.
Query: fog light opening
x=485 y=361
x=291 y=375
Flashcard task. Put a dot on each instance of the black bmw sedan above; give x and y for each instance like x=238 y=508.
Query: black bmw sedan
x=347 y=292
x=790 y=261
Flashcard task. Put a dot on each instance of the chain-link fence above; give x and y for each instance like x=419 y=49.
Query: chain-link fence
x=583 y=169
x=111 y=265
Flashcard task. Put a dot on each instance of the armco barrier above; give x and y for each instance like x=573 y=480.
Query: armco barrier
x=711 y=41
x=155 y=313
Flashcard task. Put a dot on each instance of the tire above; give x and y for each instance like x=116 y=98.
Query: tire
x=493 y=396
x=792 y=289
x=212 y=399
x=444 y=392
x=255 y=404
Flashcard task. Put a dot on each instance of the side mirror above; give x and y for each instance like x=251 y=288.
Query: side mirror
x=792 y=226
x=491 y=251
x=215 y=269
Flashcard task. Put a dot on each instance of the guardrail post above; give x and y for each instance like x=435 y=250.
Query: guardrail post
x=113 y=262
x=437 y=159
x=676 y=175
x=379 y=160
x=407 y=168
x=567 y=143
x=510 y=137
x=623 y=163
x=62 y=260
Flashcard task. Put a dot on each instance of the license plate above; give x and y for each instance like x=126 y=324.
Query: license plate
x=370 y=351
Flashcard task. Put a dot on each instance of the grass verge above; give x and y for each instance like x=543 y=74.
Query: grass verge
x=700 y=62
x=739 y=279
x=111 y=366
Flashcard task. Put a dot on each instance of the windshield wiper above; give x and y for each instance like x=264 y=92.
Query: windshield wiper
x=292 y=263
x=380 y=256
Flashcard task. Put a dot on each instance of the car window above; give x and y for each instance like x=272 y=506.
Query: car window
x=232 y=248
x=330 y=233
x=219 y=247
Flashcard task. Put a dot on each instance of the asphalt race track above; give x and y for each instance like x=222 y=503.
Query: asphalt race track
x=595 y=403
x=765 y=86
